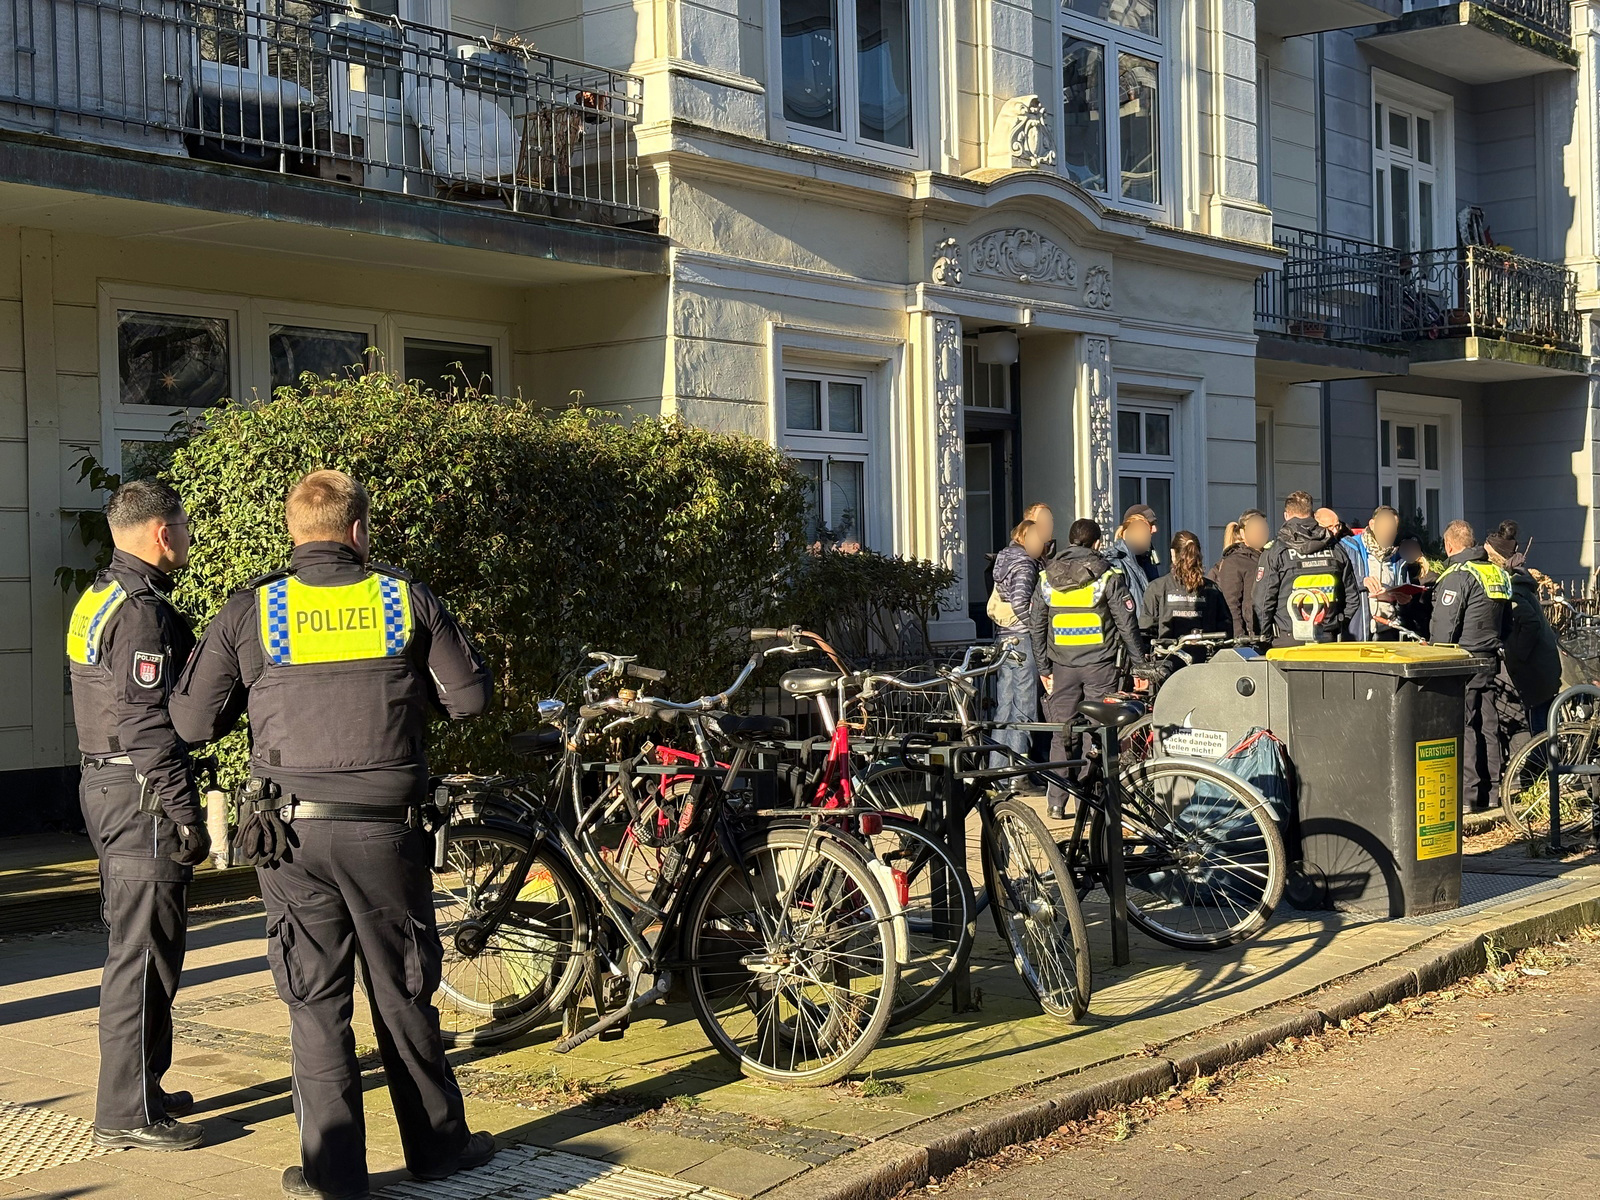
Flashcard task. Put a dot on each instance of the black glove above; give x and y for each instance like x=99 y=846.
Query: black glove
x=262 y=840
x=194 y=845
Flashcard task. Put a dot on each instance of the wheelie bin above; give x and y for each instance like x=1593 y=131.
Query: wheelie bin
x=1374 y=730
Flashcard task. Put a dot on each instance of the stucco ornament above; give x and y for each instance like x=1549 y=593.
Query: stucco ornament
x=949 y=454
x=1097 y=287
x=947 y=263
x=1024 y=255
x=1097 y=416
x=1023 y=127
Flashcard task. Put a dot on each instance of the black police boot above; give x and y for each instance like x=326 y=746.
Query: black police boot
x=295 y=1185
x=1058 y=809
x=479 y=1149
x=163 y=1135
x=177 y=1104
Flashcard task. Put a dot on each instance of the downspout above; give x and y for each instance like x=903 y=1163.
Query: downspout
x=1325 y=388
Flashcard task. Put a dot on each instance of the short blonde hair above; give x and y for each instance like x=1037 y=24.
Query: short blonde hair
x=324 y=505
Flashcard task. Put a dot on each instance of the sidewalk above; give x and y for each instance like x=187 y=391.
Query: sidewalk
x=658 y=1114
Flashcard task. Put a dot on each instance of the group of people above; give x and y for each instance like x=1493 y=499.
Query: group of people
x=1087 y=611
x=338 y=663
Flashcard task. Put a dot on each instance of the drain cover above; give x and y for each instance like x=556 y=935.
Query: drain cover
x=529 y=1173
x=35 y=1139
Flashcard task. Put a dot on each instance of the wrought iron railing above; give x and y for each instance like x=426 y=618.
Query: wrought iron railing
x=312 y=88
x=1551 y=17
x=1339 y=289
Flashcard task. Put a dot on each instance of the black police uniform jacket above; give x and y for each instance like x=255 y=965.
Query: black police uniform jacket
x=135 y=643
x=350 y=730
x=1083 y=610
x=1465 y=613
x=1170 y=612
x=1304 y=561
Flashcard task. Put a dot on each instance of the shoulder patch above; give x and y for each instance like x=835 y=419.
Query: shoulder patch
x=387 y=569
x=148 y=668
x=1447 y=597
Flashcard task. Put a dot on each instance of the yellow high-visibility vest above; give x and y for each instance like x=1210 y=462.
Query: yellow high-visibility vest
x=1079 y=624
x=301 y=624
x=89 y=619
x=1496 y=581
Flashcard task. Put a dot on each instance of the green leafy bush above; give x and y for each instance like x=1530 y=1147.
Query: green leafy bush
x=867 y=603
x=545 y=533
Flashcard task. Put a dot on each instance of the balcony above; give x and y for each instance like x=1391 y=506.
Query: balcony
x=1290 y=18
x=308 y=89
x=1487 y=41
x=1342 y=308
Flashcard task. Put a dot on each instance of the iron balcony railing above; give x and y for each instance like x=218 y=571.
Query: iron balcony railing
x=1339 y=289
x=312 y=88
x=1550 y=17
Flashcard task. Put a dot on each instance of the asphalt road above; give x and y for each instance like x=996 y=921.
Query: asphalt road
x=1474 y=1092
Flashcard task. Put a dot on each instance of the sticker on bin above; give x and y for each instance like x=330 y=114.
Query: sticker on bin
x=1198 y=743
x=1438 y=809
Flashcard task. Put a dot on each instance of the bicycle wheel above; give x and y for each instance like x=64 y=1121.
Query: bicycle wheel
x=894 y=787
x=791 y=957
x=937 y=914
x=1205 y=862
x=507 y=966
x=1525 y=786
x=1036 y=907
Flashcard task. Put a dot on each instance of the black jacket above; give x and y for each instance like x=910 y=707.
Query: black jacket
x=1086 y=576
x=119 y=701
x=1533 y=656
x=1170 y=612
x=1304 y=575
x=1236 y=578
x=1465 y=614
x=341 y=730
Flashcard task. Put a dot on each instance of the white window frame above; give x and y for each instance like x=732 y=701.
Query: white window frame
x=924 y=92
x=1410 y=408
x=1186 y=394
x=1117 y=39
x=399 y=326
x=1415 y=100
x=267 y=313
x=1145 y=466
x=827 y=446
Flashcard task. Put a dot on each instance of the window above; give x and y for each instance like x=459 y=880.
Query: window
x=1408 y=184
x=445 y=365
x=824 y=428
x=297 y=349
x=847 y=70
x=984 y=385
x=173 y=360
x=1147 y=458
x=1112 y=48
x=1418 y=463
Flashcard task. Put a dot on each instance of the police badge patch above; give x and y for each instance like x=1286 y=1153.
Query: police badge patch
x=147 y=668
x=1448 y=598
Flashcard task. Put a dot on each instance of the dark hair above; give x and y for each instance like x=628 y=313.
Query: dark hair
x=1509 y=530
x=1188 y=567
x=1297 y=504
x=1084 y=532
x=1383 y=510
x=140 y=502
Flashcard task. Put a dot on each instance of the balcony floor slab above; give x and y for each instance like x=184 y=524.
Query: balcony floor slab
x=1492 y=360
x=1472 y=43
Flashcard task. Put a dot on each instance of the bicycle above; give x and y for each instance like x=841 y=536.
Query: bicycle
x=783 y=933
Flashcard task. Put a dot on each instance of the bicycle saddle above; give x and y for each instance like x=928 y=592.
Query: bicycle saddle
x=534 y=742
x=731 y=726
x=1110 y=712
x=808 y=681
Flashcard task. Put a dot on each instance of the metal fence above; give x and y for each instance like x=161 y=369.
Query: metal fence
x=1346 y=290
x=311 y=88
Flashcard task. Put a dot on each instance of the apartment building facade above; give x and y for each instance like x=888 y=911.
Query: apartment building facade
x=1432 y=172
x=953 y=255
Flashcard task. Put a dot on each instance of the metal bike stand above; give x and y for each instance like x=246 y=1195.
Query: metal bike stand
x=1555 y=768
x=1116 y=873
x=947 y=795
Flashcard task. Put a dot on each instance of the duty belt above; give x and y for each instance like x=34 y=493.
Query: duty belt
x=321 y=810
x=108 y=760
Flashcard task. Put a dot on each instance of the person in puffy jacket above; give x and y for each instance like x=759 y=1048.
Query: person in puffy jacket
x=1304 y=582
x=1235 y=572
x=1133 y=552
x=1531 y=652
x=1184 y=601
x=1016 y=584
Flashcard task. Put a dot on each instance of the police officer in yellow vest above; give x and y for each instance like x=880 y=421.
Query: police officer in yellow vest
x=1472 y=609
x=338 y=663
x=1305 y=584
x=1084 y=611
x=125 y=645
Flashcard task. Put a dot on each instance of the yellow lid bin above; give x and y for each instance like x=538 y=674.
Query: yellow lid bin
x=1369 y=652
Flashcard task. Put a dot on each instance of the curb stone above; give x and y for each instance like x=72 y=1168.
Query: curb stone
x=933 y=1148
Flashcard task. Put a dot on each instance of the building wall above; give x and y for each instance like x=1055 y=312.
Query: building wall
x=1295 y=411
x=1292 y=126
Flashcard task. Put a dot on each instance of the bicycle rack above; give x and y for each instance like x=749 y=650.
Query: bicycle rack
x=1555 y=769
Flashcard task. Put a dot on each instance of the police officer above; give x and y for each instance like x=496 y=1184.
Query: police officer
x=338 y=663
x=125 y=644
x=1305 y=584
x=1082 y=613
x=1471 y=609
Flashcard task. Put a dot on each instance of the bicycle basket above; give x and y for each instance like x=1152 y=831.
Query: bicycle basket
x=1581 y=641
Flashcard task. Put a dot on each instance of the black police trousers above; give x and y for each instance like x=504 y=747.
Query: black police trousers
x=144 y=903
x=350 y=889
x=1070 y=687
x=1480 y=748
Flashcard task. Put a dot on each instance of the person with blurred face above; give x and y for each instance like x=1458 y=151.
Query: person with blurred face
x=1235 y=574
x=1016 y=585
x=1133 y=551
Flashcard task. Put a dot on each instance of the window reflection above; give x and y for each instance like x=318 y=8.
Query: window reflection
x=1083 y=131
x=1140 y=15
x=296 y=349
x=1139 y=128
x=171 y=360
x=810 y=40
x=883 y=64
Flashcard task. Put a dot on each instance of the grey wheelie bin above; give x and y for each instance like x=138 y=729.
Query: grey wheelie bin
x=1374 y=731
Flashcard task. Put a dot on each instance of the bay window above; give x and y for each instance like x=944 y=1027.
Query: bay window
x=846 y=67
x=1112 y=50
